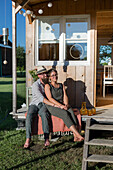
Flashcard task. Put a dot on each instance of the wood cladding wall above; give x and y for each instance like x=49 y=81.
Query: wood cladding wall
x=79 y=80
x=71 y=7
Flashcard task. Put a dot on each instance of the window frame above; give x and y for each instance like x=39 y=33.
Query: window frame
x=62 y=40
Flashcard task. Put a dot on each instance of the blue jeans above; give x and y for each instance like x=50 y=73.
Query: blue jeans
x=33 y=110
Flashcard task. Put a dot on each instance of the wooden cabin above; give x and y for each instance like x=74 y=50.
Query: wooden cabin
x=68 y=36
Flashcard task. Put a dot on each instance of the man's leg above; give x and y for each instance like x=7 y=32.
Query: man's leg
x=45 y=116
x=32 y=110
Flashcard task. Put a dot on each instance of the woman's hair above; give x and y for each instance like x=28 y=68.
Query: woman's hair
x=51 y=70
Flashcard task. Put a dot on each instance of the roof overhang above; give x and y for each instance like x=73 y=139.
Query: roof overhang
x=33 y=5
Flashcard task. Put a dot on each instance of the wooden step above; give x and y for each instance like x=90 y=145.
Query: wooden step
x=100 y=127
x=100 y=142
x=100 y=158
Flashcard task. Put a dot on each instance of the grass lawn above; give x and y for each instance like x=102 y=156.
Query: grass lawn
x=6 y=100
x=63 y=154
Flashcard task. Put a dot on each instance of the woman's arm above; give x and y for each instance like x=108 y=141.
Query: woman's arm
x=48 y=102
x=65 y=99
x=49 y=96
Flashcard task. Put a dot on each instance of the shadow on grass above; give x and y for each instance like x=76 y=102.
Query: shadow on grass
x=6 y=120
x=99 y=165
x=79 y=144
x=13 y=135
x=48 y=155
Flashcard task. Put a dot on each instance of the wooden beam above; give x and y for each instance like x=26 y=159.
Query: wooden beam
x=40 y=3
x=19 y=7
x=14 y=58
x=30 y=19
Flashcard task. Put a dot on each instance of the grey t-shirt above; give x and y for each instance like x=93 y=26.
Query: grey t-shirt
x=38 y=93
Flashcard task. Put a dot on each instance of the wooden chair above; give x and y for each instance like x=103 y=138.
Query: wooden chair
x=99 y=79
x=108 y=77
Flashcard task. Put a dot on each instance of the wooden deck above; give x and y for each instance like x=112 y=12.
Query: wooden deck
x=105 y=102
x=102 y=114
x=105 y=114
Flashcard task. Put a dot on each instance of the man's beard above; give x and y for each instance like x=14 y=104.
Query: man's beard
x=45 y=80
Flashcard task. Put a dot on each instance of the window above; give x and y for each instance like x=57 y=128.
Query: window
x=62 y=40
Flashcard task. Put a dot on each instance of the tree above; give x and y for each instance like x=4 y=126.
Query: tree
x=20 y=54
x=105 y=54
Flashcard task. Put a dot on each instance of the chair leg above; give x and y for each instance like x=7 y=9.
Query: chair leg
x=103 y=90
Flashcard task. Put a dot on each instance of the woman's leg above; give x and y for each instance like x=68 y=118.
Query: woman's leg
x=64 y=115
x=77 y=136
x=74 y=118
x=61 y=113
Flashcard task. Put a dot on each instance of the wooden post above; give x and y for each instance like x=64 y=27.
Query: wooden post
x=86 y=147
x=14 y=58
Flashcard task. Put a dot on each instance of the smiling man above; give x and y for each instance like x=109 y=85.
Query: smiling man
x=37 y=106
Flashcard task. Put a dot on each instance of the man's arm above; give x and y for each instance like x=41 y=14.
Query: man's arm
x=38 y=96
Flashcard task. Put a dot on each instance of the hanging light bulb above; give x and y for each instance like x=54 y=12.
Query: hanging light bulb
x=34 y=16
x=28 y=12
x=21 y=12
x=5 y=35
x=24 y=14
x=40 y=11
x=5 y=62
x=50 y=4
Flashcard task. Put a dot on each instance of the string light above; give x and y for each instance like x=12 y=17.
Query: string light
x=24 y=14
x=21 y=12
x=40 y=11
x=28 y=12
x=50 y=4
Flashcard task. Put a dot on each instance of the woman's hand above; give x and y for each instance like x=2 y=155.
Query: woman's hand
x=67 y=105
x=63 y=107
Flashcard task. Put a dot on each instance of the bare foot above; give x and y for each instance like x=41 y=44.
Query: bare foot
x=47 y=143
x=27 y=143
x=78 y=139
